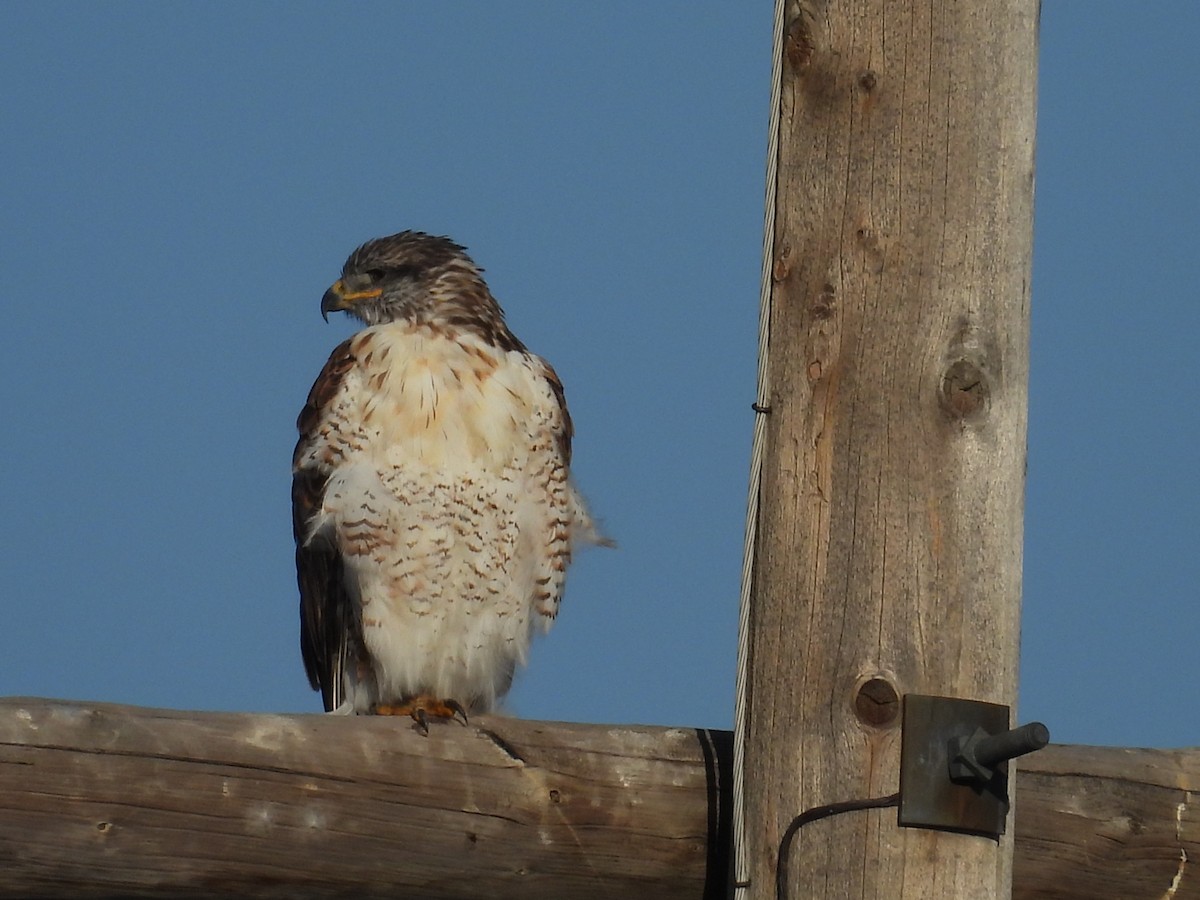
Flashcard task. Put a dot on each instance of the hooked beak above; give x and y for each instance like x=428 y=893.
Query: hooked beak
x=332 y=301
x=338 y=299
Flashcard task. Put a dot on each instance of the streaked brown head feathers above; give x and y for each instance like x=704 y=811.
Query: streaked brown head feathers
x=418 y=278
x=411 y=250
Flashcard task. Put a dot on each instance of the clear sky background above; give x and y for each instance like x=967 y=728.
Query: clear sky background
x=180 y=183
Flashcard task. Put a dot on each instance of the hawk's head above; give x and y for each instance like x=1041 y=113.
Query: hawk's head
x=416 y=277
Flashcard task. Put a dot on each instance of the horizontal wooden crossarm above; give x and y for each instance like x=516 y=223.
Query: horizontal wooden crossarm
x=99 y=800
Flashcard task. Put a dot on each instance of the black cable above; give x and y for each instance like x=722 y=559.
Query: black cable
x=811 y=815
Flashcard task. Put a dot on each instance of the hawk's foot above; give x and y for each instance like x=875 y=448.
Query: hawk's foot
x=421 y=709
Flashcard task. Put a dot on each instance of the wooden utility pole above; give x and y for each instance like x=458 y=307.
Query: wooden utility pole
x=888 y=556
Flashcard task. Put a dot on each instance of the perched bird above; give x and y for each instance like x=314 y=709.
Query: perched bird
x=433 y=509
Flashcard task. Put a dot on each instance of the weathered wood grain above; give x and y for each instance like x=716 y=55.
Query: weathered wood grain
x=104 y=801
x=889 y=533
x=1108 y=822
x=113 y=801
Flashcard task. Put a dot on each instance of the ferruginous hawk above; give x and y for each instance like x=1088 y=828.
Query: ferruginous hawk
x=433 y=510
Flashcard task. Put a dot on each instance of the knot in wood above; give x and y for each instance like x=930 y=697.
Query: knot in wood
x=825 y=304
x=798 y=44
x=782 y=267
x=965 y=391
x=877 y=704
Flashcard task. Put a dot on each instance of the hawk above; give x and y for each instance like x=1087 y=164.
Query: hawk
x=433 y=509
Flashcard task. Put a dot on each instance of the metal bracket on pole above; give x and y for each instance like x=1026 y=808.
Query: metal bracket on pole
x=954 y=763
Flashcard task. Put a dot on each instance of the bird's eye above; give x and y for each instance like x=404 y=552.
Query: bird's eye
x=374 y=274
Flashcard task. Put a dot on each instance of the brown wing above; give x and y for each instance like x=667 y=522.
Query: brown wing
x=327 y=626
x=568 y=429
x=585 y=530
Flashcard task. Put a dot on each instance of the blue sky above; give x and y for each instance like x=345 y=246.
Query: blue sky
x=179 y=184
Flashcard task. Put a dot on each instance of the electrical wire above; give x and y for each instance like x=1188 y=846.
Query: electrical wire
x=812 y=815
x=761 y=409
